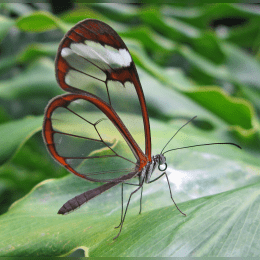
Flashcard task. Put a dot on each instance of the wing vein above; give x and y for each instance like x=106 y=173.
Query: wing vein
x=97 y=54
x=82 y=25
x=79 y=116
x=112 y=171
x=77 y=136
x=87 y=74
x=112 y=149
x=85 y=57
x=91 y=157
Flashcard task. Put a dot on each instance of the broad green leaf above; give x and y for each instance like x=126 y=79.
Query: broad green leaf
x=233 y=9
x=6 y=63
x=239 y=67
x=30 y=53
x=5 y=25
x=168 y=26
x=203 y=15
x=14 y=134
x=187 y=12
x=209 y=46
x=40 y=21
x=253 y=96
x=81 y=12
x=160 y=227
x=211 y=228
x=37 y=80
x=242 y=67
x=4 y=117
x=231 y=109
x=205 y=65
x=168 y=102
x=149 y=39
x=246 y=35
x=210 y=98
x=30 y=165
x=18 y=8
x=34 y=51
x=141 y=59
x=117 y=11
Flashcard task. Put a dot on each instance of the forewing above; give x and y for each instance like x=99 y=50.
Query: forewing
x=92 y=58
x=85 y=135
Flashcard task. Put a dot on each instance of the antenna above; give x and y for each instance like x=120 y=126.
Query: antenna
x=200 y=145
x=177 y=132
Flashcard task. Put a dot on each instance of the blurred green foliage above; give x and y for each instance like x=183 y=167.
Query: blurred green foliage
x=193 y=60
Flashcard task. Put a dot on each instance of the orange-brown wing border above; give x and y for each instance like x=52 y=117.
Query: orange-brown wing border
x=102 y=33
x=64 y=101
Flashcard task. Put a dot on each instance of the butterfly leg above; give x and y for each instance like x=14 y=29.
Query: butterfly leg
x=171 y=195
x=156 y=178
x=140 y=197
x=169 y=189
x=122 y=211
x=126 y=209
x=123 y=201
x=141 y=200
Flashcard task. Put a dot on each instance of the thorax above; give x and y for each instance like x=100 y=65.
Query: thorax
x=148 y=169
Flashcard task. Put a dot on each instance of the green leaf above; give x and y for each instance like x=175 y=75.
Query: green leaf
x=170 y=27
x=34 y=51
x=30 y=53
x=82 y=12
x=245 y=36
x=28 y=167
x=210 y=229
x=149 y=39
x=203 y=15
x=184 y=12
x=14 y=134
x=243 y=68
x=209 y=46
x=37 y=80
x=5 y=25
x=40 y=21
x=253 y=96
x=18 y=8
x=241 y=115
x=4 y=117
x=117 y=11
x=204 y=65
x=6 y=63
x=235 y=111
x=160 y=227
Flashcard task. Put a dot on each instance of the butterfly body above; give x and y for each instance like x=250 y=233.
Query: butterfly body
x=149 y=168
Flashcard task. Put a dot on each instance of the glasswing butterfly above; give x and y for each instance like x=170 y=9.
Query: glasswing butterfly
x=88 y=131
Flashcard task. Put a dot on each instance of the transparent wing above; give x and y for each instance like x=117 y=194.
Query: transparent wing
x=92 y=58
x=85 y=135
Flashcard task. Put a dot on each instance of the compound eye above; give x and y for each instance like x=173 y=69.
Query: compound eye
x=162 y=167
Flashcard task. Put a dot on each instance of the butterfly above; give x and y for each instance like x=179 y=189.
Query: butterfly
x=92 y=130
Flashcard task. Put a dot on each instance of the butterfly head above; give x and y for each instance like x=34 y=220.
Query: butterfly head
x=162 y=165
